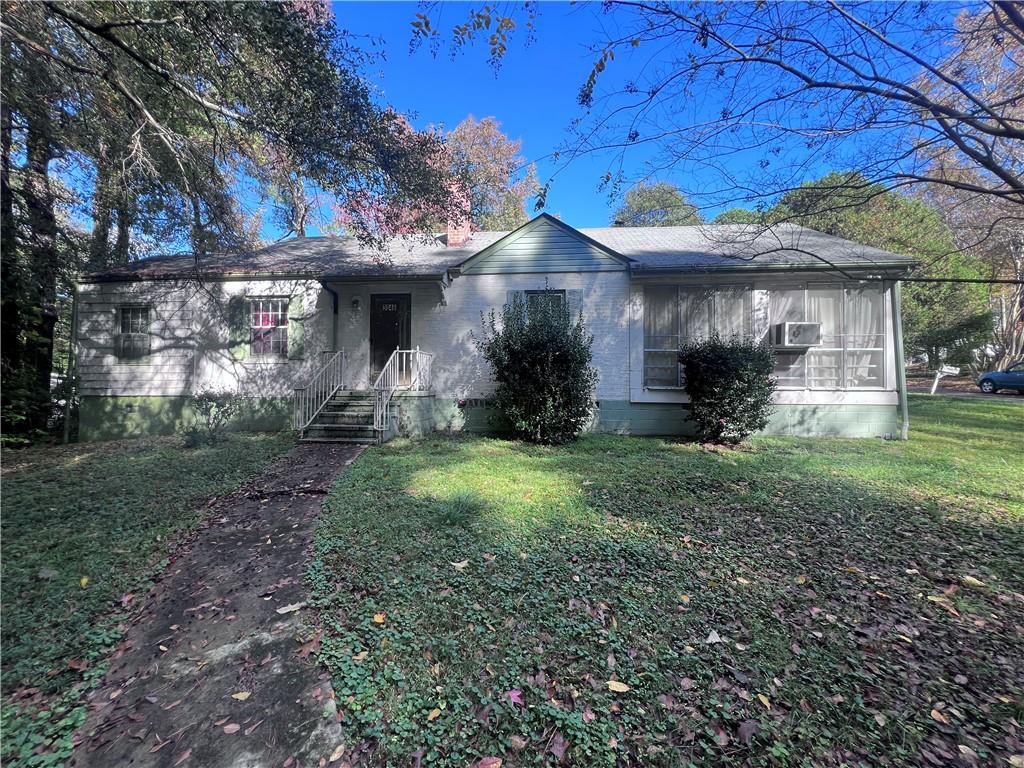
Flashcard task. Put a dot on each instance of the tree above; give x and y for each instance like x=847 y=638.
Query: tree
x=739 y=216
x=657 y=204
x=493 y=170
x=149 y=112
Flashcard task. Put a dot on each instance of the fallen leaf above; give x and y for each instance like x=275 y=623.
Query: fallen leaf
x=489 y=762
x=184 y=757
x=163 y=648
x=232 y=728
x=241 y=695
x=881 y=719
x=515 y=696
x=939 y=717
x=291 y=608
x=618 y=687
x=713 y=637
x=378 y=618
x=764 y=700
x=801 y=579
x=970 y=581
x=558 y=746
x=360 y=656
x=83 y=582
x=434 y=714
x=337 y=753
x=1017 y=761
x=460 y=566
x=684 y=599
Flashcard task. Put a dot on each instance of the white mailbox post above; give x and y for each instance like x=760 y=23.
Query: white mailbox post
x=946 y=370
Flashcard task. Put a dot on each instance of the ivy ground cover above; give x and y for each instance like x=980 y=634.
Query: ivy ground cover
x=628 y=601
x=84 y=528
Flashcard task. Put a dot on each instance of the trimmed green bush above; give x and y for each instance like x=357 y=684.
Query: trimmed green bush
x=730 y=387
x=540 y=358
x=213 y=412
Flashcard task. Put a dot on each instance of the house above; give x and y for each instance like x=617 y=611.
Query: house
x=344 y=342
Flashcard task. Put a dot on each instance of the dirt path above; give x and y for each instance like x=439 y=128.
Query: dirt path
x=223 y=622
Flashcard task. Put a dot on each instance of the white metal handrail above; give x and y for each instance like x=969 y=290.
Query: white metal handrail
x=311 y=399
x=405 y=369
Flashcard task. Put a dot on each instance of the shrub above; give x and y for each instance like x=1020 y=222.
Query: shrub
x=540 y=358
x=730 y=387
x=213 y=412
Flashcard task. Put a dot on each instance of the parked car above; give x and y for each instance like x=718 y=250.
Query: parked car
x=1010 y=378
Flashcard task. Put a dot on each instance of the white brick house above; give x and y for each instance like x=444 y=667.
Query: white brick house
x=324 y=316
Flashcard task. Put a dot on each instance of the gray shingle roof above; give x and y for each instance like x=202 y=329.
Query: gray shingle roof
x=702 y=247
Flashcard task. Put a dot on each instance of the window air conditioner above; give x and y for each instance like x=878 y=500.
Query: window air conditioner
x=796 y=335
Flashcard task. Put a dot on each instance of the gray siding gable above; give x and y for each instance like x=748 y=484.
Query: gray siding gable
x=544 y=245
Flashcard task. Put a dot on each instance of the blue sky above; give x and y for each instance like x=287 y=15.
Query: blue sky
x=533 y=94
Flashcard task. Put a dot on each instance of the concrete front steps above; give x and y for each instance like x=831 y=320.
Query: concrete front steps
x=346 y=418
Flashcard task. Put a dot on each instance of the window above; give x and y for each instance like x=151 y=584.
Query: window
x=673 y=314
x=852 y=350
x=537 y=298
x=268 y=321
x=132 y=341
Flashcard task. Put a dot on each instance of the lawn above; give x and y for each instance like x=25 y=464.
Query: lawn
x=84 y=528
x=628 y=601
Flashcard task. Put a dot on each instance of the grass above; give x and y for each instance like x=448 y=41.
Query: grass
x=84 y=528
x=627 y=601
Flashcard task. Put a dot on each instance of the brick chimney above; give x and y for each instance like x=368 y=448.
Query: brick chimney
x=459 y=232
x=460 y=225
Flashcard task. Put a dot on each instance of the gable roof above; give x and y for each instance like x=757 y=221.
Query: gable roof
x=544 y=244
x=641 y=250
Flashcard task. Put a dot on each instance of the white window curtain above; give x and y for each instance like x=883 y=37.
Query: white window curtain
x=865 y=337
x=825 y=362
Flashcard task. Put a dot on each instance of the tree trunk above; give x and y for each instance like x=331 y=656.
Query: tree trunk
x=122 y=244
x=42 y=255
x=10 y=285
x=102 y=210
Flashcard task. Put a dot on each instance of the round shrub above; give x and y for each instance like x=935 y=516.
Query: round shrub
x=730 y=387
x=540 y=358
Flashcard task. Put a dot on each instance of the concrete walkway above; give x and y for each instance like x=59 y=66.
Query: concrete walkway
x=213 y=672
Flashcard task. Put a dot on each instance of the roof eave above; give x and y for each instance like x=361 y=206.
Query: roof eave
x=899 y=266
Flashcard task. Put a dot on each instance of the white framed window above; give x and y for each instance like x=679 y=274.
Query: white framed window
x=268 y=324
x=674 y=314
x=852 y=350
x=132 y=341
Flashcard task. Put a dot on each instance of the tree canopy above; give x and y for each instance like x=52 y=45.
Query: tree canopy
x=656 y=204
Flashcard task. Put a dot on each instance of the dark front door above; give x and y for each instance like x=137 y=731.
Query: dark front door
x=390 y=328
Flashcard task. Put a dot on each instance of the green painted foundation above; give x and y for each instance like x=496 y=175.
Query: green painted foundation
x=624 y=417
x=112 y=418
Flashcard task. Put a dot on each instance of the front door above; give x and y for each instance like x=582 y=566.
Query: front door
x=390 y=328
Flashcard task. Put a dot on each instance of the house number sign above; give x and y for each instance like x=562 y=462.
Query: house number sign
x=389 y=307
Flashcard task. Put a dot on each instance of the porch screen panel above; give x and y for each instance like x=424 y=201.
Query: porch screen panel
x=732 y=313
x=865 y=337
x=787 y=306
x=825 y=362
x=696 y=309
x=661 y=336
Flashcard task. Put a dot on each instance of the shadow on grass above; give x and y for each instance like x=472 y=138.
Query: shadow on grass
x=508 y=567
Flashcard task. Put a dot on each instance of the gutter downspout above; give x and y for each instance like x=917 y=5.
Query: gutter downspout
x=901 y=368
x=334 y=322
x=69 y=372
